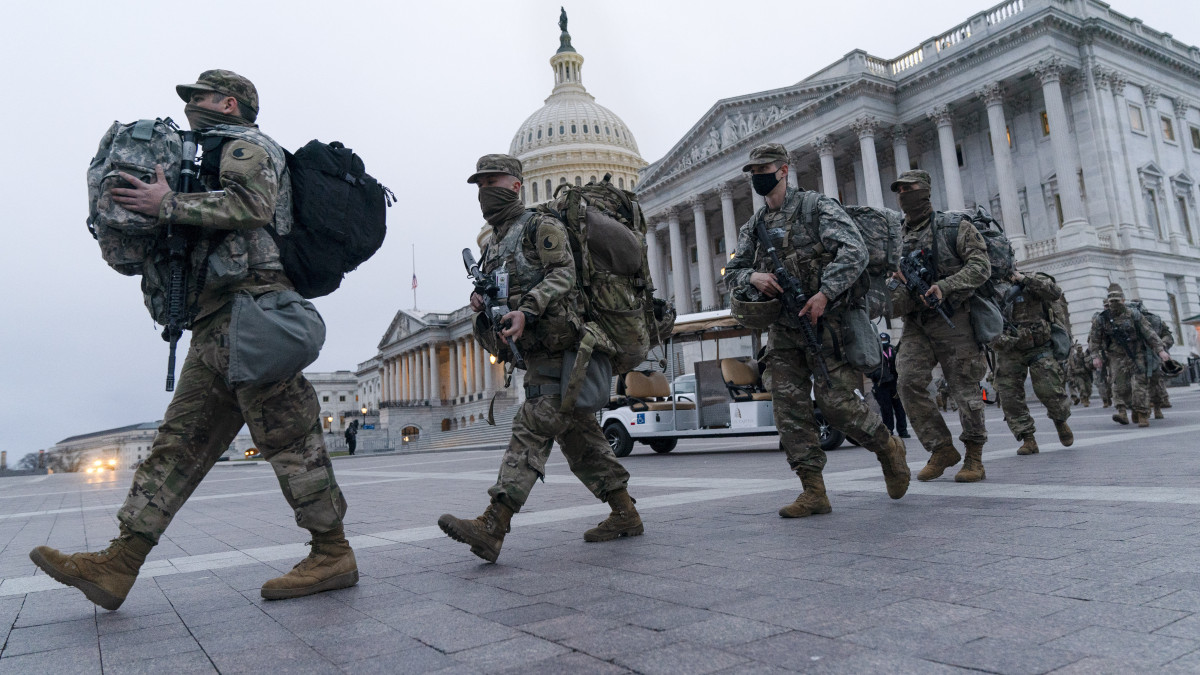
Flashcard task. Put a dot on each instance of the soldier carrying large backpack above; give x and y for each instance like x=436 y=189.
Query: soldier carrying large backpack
x=1132 y=349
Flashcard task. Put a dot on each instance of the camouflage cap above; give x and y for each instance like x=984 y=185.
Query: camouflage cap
x=767 y=153
x=1115 y=292
x=224 y=82
x=913 y=176
x=497 y=164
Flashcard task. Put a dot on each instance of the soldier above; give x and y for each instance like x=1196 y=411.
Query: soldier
x=247 y=190
x=1159 y=398
x=828 y=256
x=1124 y=335
x=1079 y=368
x=1024 y=349
x=957 y=256
x=1103 y=378
x=531 y=260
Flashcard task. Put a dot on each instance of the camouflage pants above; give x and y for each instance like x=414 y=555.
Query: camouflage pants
x=1081 y=385
x=929 y=341
x=204 y=416
x=1049 y=386
x=1104 y=385
x=1158 y=390
x=790 y=370
x=1130 y=386
x=536 y=426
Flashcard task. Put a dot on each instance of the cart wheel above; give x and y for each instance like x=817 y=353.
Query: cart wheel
x=618 y=439
x=830 y=438
x=663 y=445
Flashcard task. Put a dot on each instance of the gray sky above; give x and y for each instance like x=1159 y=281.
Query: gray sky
x=418 y=90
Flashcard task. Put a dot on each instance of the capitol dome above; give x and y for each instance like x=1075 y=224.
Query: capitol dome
x=573 y=139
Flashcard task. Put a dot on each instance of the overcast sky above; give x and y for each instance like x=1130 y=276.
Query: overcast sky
x=419 y=90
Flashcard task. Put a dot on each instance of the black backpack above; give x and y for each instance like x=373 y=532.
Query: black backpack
x=340 y=217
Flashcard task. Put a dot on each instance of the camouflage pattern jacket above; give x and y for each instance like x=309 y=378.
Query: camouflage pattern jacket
x=1079 y=364
x=1026 y=308
x=962 y=263
x=531 y=255
x=826 y=255
x=249 y=190
x=1108 y=325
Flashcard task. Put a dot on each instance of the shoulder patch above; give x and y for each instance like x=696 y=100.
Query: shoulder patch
x=244 y=151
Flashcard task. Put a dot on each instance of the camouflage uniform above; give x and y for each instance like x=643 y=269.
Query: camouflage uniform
x=244 y=195
x=1024 y=349
x=827 y=255
x=1158 y=385
x=1130 y=381
x=1080 y=371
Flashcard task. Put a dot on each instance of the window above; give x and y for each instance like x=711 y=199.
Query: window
x=694 y=257
x=549 y=188
x=632 y=183
x=573 y=129
x=1195 y=137
x=523 y=192
x=585 y=128
x=535 y=196
x=530 y=139
x=1058 y=210
x=1185 y=220
x=958 y=153
x=539 y=134
x=578 y=180
x=1152 y=211
x=550 y=131
x=592 y=179
x=912 y=165
x=606 y=132
x=719 y=244
x=1045 y=123
x=325 y=398
x=621 y=181
x=1173 y=303
x=1136 y=121
x=1168 y=129
x=342 y=398
x=561 y=130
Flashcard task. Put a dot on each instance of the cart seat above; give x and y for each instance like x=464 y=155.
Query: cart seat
x=742 y=380
x=649 y=391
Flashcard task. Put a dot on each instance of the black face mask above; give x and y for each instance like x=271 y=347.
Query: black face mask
x=499 y=204
x=763 y=183
x=916 y=205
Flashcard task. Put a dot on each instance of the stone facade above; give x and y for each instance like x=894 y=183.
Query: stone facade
x=126 y=445
x=337 y=392
x=996 y=109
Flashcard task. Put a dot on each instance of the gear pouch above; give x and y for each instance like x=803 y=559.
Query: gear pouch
x=272 y=337
x=986 y=320
x=860 y=340
x=586 y=388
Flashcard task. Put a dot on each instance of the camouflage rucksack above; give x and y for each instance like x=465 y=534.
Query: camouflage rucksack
x=880 y=229
x=127 y=239
x=1059 y=318
x=999 y=250
x=608 y=239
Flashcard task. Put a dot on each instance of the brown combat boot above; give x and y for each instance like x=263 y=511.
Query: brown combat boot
x=1029 y=446
x=1065 y=435
x=1087 y=403
x=1119 y=416
x=1107 y=403
x=941 y=459
x=1074 y=399
x=330 y=565
x=624 y=520
x=972 y=468
x=485 y=534
x=1158 y=413
x=1142 y=419
x=105 y=577
x=894 y=461
x=813 y=501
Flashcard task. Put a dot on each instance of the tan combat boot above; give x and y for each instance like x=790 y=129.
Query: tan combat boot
x=1074 y=399
x=941 y=459
x=1141 y=418
x=972 y=468
x=1029 y=446
x=485 y=534
x=1087 y=403
x=895 y=467
x=1119 y=416
x=330 y=565
x=1065 y=435
x=1158 y=413
x=1106 y=403
x=813 y=501
x=105 y=577
x=624 y=520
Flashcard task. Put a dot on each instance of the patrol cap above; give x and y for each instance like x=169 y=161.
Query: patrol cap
x=497 y=164
x=913 y=176
x=1115 y=292
x=224 y=82
x=767 y=153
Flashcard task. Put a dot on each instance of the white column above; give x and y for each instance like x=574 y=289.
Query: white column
x=489 y=371
x=1114 y=151
x=865 y=126
x=410 y=369
x=1183 y=136
x=419 y=374
x=728 y=220
x=829 y=186
x=402 y=374
x=683 y=294
x=435 y=375
x=1076 y=231
x=1121 y=121
x=793 y=179
x=900 y=148
x=704 y=261
x=384 y=389
x=397 y=395
x=454 y=378
x=478 y=361
x=1010 y=208
x=654 y=257
x=425 y=363
x=464 y=365
x=944 y=120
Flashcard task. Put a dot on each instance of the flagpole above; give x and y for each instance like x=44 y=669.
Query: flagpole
x=414 y=286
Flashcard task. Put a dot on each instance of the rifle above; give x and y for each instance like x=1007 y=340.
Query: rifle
x=916 y=273
x=177 y=245
x=495 y=308
x=1119 y=335
x=793 y=299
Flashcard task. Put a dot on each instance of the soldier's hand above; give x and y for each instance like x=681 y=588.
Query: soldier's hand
x=766 y=283
x=144 y=198
x=476 y=302
x=1164 y=356
x=935 y=291
x=899 y=276
x=815 y=307
x=516 y=325
x=1097 y=364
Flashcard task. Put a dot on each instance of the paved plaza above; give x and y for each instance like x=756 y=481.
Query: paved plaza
x=1077 y=560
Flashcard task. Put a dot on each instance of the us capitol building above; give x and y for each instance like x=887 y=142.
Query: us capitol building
x=1076 y=126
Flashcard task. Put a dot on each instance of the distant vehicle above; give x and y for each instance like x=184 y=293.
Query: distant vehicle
x=721 y=398
x=252 y=453
x=100 y=465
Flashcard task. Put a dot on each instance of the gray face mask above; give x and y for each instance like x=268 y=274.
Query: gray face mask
x=203 y=118
x=499 y=204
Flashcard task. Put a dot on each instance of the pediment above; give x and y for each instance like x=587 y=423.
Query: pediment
x=402 y=325
x=1183 y=179
x=1151 y=169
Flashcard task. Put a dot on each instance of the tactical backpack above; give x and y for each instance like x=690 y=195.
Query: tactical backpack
x=999 y=250
x=1059 y=317
x=607 y=233
x=881 y=231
